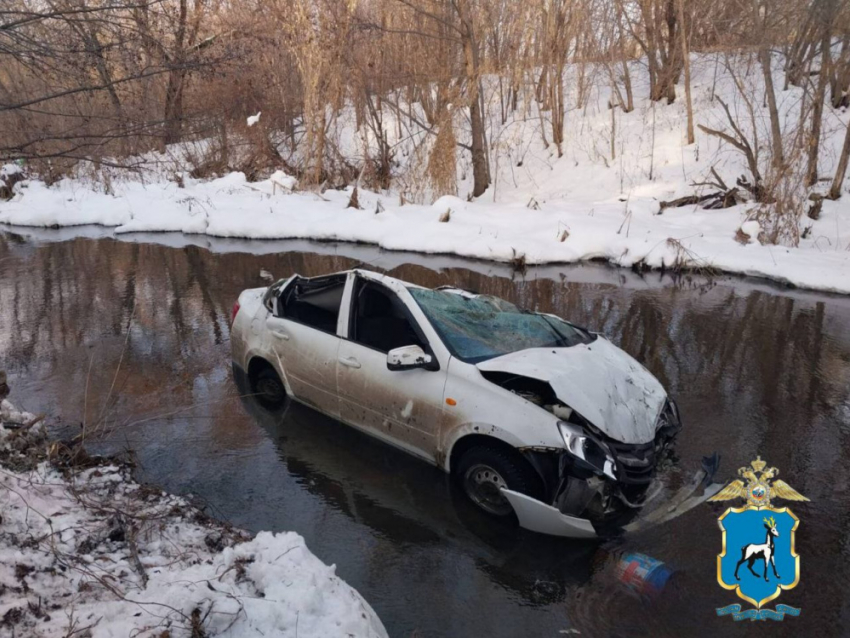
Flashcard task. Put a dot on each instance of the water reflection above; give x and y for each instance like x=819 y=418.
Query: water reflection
x=132 y=339
x=409 y=502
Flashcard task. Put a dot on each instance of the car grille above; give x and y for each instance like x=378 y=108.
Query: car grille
x=636 y=463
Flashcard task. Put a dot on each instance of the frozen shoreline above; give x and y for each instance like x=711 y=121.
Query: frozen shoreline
x=84 y=546
x=624 y=233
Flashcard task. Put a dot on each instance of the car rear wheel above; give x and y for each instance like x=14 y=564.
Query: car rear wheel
x=483 y=472
x=268 y=388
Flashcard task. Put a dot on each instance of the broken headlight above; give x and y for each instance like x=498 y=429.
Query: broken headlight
x=668 y=419
x=587 y=449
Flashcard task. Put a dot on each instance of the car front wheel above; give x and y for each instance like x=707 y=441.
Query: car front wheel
x=485 y=470
x=268 y=388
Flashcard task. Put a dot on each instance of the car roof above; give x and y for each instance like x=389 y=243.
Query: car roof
x=386 y=279
x=366 y=274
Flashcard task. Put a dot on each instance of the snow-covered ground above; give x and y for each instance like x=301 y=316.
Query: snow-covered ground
x=85 y=551
x=588 y=204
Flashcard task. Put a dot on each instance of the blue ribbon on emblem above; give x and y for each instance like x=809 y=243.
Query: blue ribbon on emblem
x=758 y=614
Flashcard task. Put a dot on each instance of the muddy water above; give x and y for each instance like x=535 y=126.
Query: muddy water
x=131 y=338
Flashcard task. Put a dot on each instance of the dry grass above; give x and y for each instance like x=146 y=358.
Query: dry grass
x=741 y=237
x=518 y=262
x=686 y=260
x=780 y=218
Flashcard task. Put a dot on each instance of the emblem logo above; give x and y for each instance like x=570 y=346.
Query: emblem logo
x=758 y=560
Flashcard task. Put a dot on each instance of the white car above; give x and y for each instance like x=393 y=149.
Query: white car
x=532 y=414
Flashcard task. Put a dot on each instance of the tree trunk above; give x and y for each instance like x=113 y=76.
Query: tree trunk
x=817 y=110
x=670 y=57
x=479 y=152
x=173 y=114
x=557 y=89
x=541 y=87
x=627 y=83
x=840 y=77
x=503 y=100
x=838 y=181
x=613 y=133
x=798 y=52
x=651 y=49
x=480 y=171
x=775 y=130
x=687 y=66
x=615 y=90
x=652 y=64
x=629 y=106
x=88 y=32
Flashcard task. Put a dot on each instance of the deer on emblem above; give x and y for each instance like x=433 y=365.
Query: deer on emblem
x=752 y=552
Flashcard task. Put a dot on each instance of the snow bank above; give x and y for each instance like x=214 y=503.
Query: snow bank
x=625 y=232
x=86 y=551
x=9 y=169
x=11 y=419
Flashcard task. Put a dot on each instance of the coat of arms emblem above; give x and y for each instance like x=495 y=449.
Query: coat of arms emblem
x=758 y=560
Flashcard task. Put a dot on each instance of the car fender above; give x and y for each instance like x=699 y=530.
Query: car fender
x=450 y=439
x=274 y=359
x=482 y=407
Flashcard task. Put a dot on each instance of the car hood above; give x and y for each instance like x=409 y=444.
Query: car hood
x=599 y=381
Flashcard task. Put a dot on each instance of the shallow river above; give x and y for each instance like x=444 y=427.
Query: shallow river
x=131 y=337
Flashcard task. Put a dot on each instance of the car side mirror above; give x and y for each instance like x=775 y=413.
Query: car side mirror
x=410 y=358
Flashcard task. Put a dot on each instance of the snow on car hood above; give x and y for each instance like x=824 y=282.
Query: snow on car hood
x=599 y=381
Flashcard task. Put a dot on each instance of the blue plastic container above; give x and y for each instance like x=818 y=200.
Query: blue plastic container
x=643 y=575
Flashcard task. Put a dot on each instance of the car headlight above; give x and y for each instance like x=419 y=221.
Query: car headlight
x=586 y=448
x=668 y=418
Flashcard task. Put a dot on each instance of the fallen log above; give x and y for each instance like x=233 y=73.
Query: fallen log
x=712 y=201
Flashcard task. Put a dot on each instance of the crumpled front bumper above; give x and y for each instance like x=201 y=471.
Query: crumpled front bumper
x=537 y=516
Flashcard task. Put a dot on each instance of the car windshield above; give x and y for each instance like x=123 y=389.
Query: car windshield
x=477 y=328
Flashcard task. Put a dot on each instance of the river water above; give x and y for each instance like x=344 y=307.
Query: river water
x=130 y=337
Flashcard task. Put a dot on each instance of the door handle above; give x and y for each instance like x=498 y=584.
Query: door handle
x=282 y=335
x=349 y=362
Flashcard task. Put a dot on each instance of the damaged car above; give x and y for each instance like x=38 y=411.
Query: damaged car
x=532 y=415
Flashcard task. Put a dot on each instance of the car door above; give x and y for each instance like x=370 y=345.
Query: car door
x=303 y=334
x=402 y=407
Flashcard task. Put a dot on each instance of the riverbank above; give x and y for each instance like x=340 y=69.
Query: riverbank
x=85 y=550
x=630 y=232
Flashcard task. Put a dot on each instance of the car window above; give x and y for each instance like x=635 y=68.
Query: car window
x=313 y=302
x=380 y=320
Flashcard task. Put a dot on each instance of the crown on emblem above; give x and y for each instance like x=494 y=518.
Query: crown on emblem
x=759 y=486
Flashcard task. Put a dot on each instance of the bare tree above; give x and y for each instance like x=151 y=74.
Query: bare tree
x=825 y=13
x=79 y=79
x=841 y=171
x=686 y=57
x=761 y=12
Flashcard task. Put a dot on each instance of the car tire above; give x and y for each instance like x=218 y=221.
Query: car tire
x=485 y=469
x=268 y=388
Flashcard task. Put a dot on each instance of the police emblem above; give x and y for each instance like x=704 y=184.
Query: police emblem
x=758 y=560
